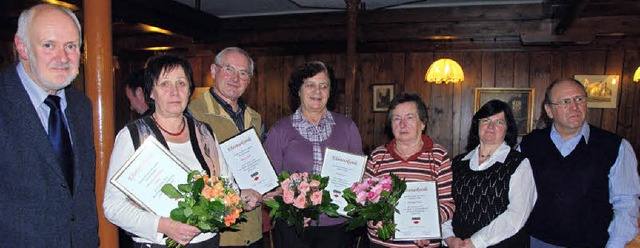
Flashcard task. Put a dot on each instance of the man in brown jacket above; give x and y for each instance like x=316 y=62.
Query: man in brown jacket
x=222 y=108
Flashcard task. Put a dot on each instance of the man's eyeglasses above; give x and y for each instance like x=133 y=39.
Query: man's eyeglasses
x=497 y=122
x=564 y=103
x=231 y=71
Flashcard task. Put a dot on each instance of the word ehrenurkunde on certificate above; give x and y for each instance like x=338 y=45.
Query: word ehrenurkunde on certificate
x=418 y=215
x=343 y=169
x=141 y=178
x=249 y=162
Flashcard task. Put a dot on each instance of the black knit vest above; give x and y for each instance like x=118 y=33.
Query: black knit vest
x=573 y=206
x=481 y=196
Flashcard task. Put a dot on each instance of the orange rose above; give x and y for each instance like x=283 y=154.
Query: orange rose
x=231 y=200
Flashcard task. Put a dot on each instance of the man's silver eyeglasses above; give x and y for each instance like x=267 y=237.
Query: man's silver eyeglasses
x=497 y=122
x=564 y=103
x=231 y=71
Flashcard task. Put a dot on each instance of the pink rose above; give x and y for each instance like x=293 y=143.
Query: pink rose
x=287 y=196
x=361 y=197
x=314 y=183
x=386 y=187
x=374 y=194
x=316 y=198
x=303 y=187
x=360 y=187
x=300 y=202
x=295 y=177
x=372 y=181
x=373 y=197
x=286 y=184
x=386 y=180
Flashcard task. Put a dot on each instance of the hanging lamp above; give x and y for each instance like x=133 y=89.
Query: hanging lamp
x=444 y=71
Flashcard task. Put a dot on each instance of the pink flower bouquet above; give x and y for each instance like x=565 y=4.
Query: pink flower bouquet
x=303 y=197
x=374 y=199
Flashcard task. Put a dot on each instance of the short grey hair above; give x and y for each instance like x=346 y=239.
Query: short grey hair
x=220 y=56
x=27 y=16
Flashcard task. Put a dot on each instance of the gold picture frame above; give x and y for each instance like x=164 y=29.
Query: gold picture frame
x=520 y=100
x=382 y=96
x=602 y=90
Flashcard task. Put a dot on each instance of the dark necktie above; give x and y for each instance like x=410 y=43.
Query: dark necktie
x=59 y=137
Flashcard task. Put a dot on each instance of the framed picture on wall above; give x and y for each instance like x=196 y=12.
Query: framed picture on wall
x=382 y=96
x=520 y=100
x=602 y=90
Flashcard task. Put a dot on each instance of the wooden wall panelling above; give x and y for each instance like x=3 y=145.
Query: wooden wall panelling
x=370 y=122
x=521 y=68
x=252 y=95
x=539 y=79
x=472 y=66
x=614 y=61
x=272 y=90
x=440 y=107
x=456 y=113
x=488 y=69
x=197 y=69
x=628 y=122
x=415 y=69
x=580 y=62
x=504 y=69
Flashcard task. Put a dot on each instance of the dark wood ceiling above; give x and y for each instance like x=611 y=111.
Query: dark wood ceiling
x=551 y=22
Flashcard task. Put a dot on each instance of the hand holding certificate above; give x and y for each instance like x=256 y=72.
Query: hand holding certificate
x=343 y=169
x=248 y=162
x=143 y=175
x=417 y=217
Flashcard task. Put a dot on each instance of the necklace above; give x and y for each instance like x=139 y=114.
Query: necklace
x=165 y=130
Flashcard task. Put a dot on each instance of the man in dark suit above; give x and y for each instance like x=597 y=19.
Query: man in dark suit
x=47 y=197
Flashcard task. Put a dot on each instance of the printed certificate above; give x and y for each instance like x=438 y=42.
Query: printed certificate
x=143 y=175
x=249 y=162
x=343 y=169
x=418 y=216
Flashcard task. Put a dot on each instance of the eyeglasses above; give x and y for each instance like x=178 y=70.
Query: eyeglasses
x=497 y=122
x=564 y=103
x=231 y=71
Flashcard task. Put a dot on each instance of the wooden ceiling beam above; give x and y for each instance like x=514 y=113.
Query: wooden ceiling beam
x=568 y=15
x=167 y=14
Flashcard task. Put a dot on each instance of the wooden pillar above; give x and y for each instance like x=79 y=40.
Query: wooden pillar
x=352 y=40
x=98 y=71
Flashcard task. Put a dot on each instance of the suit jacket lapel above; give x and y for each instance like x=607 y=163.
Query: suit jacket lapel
x=28 y=123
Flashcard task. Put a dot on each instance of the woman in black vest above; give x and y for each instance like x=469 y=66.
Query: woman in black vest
x=493 y=186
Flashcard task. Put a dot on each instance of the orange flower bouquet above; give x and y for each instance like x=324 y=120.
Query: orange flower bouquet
x=207 y=203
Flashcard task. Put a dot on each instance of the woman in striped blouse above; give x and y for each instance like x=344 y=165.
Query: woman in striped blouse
x=411 y=155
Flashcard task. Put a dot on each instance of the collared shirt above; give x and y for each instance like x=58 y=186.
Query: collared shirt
x=522 y=197
x=37 y=95
x=236 y=116
x=314 y=134
x=624 y=186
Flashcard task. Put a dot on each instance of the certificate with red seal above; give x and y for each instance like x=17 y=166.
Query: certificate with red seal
x=248 y=162
x=343 y=169
x=418 y=215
